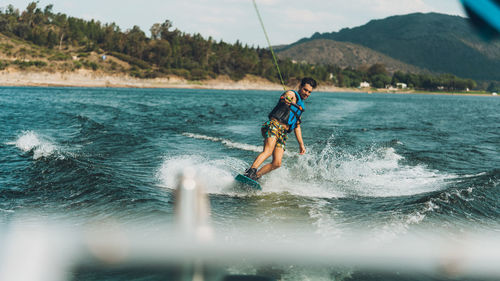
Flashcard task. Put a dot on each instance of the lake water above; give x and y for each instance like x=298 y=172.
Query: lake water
x=394 y=164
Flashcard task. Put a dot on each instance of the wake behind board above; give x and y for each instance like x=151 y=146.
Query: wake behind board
x=248 y=182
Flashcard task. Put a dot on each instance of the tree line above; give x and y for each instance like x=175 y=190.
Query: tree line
x=170 y=51
x=378 y=77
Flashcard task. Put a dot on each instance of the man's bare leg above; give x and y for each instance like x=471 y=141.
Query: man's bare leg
x=275 y=164
x=269 y=144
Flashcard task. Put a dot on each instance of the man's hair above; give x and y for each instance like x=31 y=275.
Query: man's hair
x=308 y=80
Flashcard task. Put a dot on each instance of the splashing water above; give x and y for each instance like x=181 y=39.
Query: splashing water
x=30 y=141
x=216 y=176
x=327 y=173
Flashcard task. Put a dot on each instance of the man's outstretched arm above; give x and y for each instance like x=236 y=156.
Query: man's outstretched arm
x=298 y=135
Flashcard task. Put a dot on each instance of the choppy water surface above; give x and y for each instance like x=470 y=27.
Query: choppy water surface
x=391 y=163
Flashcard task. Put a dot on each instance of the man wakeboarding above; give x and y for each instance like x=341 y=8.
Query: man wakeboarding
x=283 y=119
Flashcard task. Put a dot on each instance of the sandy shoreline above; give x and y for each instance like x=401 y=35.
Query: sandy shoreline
x=87 y=78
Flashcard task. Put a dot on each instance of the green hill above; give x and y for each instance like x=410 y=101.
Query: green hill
x=437 y=42
x=343 y=54
x=38 y=39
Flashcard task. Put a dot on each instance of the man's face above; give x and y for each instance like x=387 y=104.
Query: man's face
x=305 y=91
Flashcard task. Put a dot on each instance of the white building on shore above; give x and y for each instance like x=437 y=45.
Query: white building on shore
x=401 y=85
x=364 y=84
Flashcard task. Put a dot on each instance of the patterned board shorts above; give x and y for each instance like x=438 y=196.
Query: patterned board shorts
x=273 y=128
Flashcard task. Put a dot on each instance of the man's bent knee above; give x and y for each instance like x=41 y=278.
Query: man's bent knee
x=276 y=165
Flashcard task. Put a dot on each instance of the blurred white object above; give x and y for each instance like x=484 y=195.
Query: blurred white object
x=48 y=252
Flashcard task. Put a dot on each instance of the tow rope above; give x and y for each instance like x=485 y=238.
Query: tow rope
x=269 y=44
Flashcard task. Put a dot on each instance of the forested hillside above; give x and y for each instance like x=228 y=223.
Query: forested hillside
x=437 y=42
x=40 y=39
x=165 y=51
x=343 y=54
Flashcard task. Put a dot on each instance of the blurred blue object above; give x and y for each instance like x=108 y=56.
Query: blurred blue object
x=485 y=16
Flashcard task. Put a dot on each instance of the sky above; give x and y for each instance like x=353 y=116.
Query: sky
x=286 y=21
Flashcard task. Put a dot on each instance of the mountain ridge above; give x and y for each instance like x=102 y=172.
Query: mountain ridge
x=344 y=54
x=436 y=42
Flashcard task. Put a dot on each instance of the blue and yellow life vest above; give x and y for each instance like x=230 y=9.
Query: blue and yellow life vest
x=288 y=113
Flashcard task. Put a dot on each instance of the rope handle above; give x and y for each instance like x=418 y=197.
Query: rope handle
x=291 y=103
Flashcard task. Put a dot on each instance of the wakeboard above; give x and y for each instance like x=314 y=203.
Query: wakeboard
x=248 y=182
